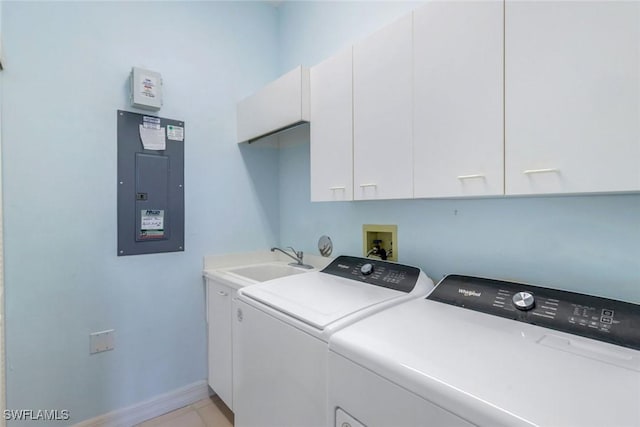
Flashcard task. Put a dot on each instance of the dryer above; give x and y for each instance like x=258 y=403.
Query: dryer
x=492 y=353
x=282 y=327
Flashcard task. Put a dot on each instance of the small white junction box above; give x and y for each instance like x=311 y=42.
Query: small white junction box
x=101 y=341
x=146 y=89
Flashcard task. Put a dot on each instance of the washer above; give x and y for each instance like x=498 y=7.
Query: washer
x=489 y=353
x=281 y=331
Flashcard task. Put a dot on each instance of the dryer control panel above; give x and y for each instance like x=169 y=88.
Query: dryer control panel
x=603 y=319
x=386 y=274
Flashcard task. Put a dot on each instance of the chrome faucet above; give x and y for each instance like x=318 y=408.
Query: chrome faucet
x=297 y=257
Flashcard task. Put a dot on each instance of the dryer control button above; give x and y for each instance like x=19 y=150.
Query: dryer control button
x=366 y=269
x=523 y=301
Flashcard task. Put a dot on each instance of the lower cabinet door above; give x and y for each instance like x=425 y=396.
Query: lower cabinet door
x=219 y=335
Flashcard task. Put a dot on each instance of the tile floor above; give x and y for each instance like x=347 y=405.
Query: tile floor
x=211 y=412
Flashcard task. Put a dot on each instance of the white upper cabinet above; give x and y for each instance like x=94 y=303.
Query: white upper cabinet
x=281 y=104
x=382 y=113
x=572 y=97
x=458 y=106
x=331 y=129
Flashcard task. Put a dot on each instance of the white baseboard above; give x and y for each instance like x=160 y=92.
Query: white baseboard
x=156 y=406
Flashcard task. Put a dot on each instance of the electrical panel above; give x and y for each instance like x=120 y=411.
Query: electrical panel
x=150 y=184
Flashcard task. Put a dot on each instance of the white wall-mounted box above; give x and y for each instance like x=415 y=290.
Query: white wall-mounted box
x=101 y=341
x=280 y=105
x=146 y=89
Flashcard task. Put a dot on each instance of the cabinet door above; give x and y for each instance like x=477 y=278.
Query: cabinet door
x=572 y=96
x=382 y=114
x=220 y=346
x=458 y=105
x=279 y=105
x=331 y=130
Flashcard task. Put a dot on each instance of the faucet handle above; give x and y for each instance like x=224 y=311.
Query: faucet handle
x=298 y=253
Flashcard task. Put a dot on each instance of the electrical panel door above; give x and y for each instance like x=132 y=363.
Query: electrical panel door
x=150 y=184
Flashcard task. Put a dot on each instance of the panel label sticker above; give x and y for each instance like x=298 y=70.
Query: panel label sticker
x=152 y=224
x=150 y=122
x=175 y=133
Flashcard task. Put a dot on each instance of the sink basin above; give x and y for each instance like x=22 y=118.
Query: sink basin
x=264 y=272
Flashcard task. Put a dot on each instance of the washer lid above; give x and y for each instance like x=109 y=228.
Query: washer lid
x=495 y=371
x=317 y=298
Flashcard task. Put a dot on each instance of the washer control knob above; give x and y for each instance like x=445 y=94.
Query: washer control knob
x=523 y=301
x=366 y=269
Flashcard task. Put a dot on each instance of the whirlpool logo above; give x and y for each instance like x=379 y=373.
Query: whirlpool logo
x=468 y=293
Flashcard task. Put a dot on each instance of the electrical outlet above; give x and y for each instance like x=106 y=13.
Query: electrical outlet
x=380 y=240
x=101 y=341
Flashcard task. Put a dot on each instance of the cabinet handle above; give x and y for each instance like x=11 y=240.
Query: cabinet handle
x=222 y=293
x=530 y=171
x=368 y=185
x=470 y=176
x=337 y=188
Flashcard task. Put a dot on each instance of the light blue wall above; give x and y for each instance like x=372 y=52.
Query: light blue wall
x=584 y=243
x=68 y=64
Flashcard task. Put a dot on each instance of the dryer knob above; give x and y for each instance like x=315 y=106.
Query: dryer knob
x=524 y=301
x=366 y=269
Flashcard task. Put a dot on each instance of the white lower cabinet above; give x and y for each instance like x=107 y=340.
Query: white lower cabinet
x=219 y=301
